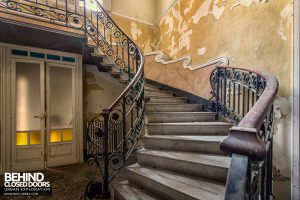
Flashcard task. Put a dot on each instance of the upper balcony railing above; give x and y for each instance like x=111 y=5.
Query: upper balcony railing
x=64 y=13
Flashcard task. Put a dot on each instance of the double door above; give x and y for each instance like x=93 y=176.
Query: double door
x=42 y=115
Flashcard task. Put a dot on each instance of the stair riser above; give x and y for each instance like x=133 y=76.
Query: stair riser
x=166 y=100
x=187 y=130
x=193 y=169
x=176 y=117
x=107 y=68
x=156 y=188
x=157 y=93
x=173 y=108
x=117 y=76
x=182 y=145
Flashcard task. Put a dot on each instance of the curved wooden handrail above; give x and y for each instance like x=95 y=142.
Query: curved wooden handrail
x=244 y=139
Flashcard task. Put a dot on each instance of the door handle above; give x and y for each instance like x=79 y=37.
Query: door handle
x=42 y=116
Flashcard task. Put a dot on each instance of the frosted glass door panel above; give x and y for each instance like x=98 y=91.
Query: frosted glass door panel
x=28 y=115
x=61 y=101
x=28 y=97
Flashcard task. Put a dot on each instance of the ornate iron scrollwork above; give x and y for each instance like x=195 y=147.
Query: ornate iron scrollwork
x=44 y=12
x=234 y=92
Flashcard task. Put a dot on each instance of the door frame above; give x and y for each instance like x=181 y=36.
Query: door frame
x=5 y=114
x=13 y=109
x=74 y=128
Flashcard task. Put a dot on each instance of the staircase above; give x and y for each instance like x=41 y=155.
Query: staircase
x=181 y=158
x=104 y=64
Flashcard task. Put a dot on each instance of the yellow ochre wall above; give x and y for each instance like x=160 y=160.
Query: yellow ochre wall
x=142 y=34
x=251 y=33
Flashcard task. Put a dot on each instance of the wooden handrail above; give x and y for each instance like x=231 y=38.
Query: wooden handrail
x=244 y=139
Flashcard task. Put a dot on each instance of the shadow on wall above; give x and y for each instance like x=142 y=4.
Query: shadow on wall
x=99 y=92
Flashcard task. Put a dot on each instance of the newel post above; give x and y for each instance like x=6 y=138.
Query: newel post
x=244 y=141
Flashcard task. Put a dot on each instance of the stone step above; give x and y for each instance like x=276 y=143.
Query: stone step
x=148 y=86
x=162 y=117
x=188 y=128
x=107 y=66
x=214 y=167
x=165 y=99
x=158 y=93
x=175 y=186
x=127 y=191
x=123 y=81
x=163 y=107
x=115 y=74
x=204 y=144
x=98 y=55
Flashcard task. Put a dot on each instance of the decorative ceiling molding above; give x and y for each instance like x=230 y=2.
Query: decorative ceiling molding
x=161 y=57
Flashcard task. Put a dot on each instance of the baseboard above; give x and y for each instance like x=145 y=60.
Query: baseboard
x=179 y=93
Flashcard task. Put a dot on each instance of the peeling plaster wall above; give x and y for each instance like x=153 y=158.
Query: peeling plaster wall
x=140 y=33
x=251 y=33
x=100 y=91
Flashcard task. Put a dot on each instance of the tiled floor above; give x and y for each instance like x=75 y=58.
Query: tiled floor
x=69 y=182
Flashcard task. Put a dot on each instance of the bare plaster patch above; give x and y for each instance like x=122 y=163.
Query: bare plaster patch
x=201 y=51
x=246 y=3
x=217 y=11
x=202 y=11
x=135 y=31
x=147 y=45
x=282 y=134
x=170 y=22
x=285 y=21
x=189 y=8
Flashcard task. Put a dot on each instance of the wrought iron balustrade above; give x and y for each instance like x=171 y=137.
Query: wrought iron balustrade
x=65 y=13
x=245 y=98
x=113 y=133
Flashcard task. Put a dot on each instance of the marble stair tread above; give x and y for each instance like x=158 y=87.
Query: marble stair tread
x=127 y=191
x=188 y=128
x=203 y=144
x=197 y=158
x=148 y=86
x=163 y=117
x=172 y=107
x=215 y=123
x=157 y=90
x=164 y=97
x=176 y=186
x=215 y=138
